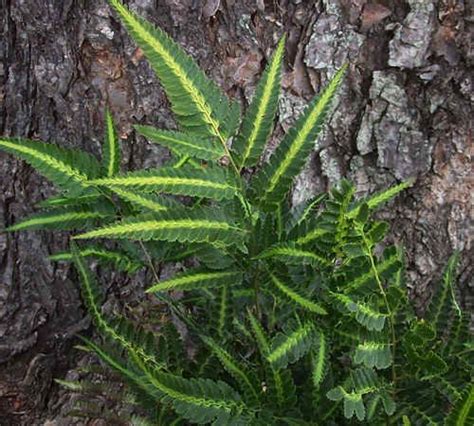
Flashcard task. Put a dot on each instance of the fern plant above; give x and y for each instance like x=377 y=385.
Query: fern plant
x=289 y=314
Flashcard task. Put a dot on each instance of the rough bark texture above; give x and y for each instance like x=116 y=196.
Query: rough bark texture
x=405 y=111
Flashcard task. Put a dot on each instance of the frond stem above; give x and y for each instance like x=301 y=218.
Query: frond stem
x=368 y=247
x=150 y=261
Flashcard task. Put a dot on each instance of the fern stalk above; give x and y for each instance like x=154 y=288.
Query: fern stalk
x=391 y=320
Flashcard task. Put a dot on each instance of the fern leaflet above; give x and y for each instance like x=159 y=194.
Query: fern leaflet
x=258 y=121
x=275 y=178
x=212 y=183
x=111 y=150
x=197 y=102
x=69 y=169
x=185 y=226
x=59 y=219
x=297 y=298
x=198 y=280
x=184 y=144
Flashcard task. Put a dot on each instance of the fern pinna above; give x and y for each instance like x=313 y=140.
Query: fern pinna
x=289 y=314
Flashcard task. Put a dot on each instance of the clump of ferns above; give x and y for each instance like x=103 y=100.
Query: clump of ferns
x=292 y=316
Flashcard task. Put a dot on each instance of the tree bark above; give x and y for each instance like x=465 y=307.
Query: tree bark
x=405 y=111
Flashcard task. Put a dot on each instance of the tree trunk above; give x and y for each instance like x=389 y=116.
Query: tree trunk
x=405 y=111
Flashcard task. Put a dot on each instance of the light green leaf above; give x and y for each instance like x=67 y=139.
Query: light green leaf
x=184 y=144
x=199 y=105
x=295 y=297
x=181 y=226
x=197 y=280
x=271 y=184
x=111 y=150
x=67 y=168
x=258 y=121
x=211 y=183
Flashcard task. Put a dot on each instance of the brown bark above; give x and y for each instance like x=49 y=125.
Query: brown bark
x=405 y=111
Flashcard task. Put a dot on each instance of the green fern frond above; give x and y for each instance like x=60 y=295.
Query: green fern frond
x=353 y=403
x=376 y=200
x=146 y=202
x=136 y=379
x=246 y=380
x=120 y=260
x=182 y=226
x=65 y=201
x=311 y=235
x=289 y=347
x=422 y=412
x=224 y=309
x=319 y=357
x=199 y=105
x=290 y=254
x=365 y=315
x=60 y=219
x=184 y=144
x=210 y=183
x=462 y=413
x=280 y=383
x=390 y=265
x=363 y=381
x=198 y=280
x=302 y=213
x=444 y=301
x=373 y=353
x=69 y=169
x=274 y=180
x=295 y=297
x=120 y=333
x=458 y=338
x=197 y=400
x=213 y=258
x=257 y=123
x=111 y=149
x=260 y=336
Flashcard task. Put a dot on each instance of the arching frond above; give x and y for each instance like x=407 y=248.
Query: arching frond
x=136 y=379
x=136 y=343
x=197 y=400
